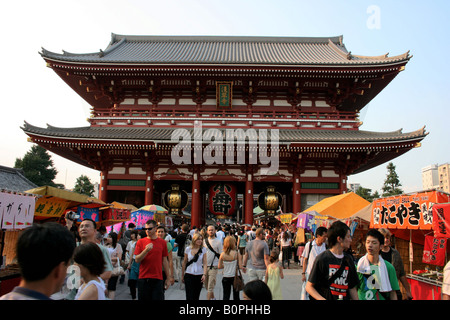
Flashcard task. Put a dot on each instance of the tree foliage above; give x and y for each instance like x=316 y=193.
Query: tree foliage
x=38 y=167
x=83 y=185
x=367 y=194
x=391 y=186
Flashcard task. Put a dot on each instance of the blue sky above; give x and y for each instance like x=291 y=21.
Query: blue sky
x=417 y=97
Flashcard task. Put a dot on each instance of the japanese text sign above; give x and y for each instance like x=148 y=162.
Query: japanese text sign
x=16 y=211
x=50 y=207
x=116 y=214
x=406 y=211
x=222 y=198
x=441 y=220
x=434 y=251
x=286 y=218
x=224 y=94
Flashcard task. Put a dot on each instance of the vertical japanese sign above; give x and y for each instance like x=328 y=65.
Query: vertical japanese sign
x=441 y=220
x=434 y=251
x=16 y=211
x=406 y=211
x=224 y=94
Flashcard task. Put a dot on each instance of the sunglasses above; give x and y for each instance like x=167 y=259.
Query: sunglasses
x=148 y=229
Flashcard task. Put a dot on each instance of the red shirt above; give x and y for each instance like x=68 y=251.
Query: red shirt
x=151 y=265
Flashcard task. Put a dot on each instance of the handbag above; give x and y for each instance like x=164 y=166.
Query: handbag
x=238 y=282
x=117 y=271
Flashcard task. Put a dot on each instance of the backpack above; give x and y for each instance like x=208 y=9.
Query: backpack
x=188 y=241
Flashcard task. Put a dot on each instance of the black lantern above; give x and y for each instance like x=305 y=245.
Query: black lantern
x=175 y=200
x=270 y=201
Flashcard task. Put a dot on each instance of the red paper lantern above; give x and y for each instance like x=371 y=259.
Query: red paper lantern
x=222 y=199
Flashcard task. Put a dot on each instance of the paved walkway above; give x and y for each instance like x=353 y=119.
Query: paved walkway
x=290 y=287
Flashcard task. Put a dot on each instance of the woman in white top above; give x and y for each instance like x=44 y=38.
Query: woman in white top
x=89 y=258
x=229 y=262
x=194 y=269
x=115 y=253
x=286 y=242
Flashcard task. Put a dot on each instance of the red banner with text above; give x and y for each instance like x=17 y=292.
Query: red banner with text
x=434 y=251
x=441 y=220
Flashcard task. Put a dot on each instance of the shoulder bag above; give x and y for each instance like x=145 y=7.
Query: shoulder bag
x=216 y=255
x=238 y=282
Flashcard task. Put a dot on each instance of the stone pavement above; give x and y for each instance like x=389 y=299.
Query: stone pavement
x=290 y=287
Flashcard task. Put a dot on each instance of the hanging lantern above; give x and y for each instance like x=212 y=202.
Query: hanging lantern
x=270 y=201
x=175 y=200
x=222 y=199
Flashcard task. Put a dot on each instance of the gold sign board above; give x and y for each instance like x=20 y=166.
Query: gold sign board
x=224 y=94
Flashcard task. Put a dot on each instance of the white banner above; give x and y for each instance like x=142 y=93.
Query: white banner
x=16 y=211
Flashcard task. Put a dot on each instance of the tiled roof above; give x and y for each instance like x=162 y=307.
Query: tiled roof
x=217 y=50
x=286 y=136
x=12 y=179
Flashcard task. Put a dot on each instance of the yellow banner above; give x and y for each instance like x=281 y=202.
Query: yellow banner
x=50 y=207
x=286 y=218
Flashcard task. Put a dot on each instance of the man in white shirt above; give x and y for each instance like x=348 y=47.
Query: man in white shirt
x=252 y=234
x=220 y=234
x=214 y=249
x=311 y=251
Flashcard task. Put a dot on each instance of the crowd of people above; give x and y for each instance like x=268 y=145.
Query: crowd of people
x=85 y=263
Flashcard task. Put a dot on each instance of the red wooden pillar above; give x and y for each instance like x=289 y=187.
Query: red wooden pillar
x=296 y=195
x=103 y=190
x=196 y=201
x=248 y=199
x=342 y=183
x=149 y=187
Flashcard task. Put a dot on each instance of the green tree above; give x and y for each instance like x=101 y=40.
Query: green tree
x=367 y=194
x=392 y=183
x=83 y=185
x=37 y=165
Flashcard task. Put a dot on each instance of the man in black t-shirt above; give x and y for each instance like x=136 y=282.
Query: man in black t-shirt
x=180 y=242
x=334 y=273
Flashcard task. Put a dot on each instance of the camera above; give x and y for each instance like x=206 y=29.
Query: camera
x=71 y=215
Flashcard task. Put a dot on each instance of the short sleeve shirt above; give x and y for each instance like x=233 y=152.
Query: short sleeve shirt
x=151 y=265
x=325 y=266
x=256 y=250
x=368 y=285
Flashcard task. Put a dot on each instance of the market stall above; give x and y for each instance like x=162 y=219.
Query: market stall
x=345 y=207
x=413 y=220
x=151 y=212
x=16 y=214
x=51 y=203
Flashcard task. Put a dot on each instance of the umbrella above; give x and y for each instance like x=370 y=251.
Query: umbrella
x=154 y=208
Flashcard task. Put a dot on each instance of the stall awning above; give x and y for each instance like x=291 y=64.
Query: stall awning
x=341 y=206
x=55 y=201
x=364 y=214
